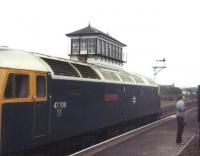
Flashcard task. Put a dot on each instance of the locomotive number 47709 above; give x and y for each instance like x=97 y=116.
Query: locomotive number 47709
x=60 y=104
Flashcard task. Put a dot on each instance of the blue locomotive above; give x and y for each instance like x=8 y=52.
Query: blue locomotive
x=45 y=99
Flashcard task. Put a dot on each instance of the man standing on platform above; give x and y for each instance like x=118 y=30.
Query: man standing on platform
x=180 y=116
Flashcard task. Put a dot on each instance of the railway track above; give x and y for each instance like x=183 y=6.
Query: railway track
x=167 y=111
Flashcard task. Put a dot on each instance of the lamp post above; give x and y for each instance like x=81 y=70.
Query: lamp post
x=156 y=70
x=198 y=105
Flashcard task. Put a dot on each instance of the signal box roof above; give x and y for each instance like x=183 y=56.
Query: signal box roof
x=88 y=31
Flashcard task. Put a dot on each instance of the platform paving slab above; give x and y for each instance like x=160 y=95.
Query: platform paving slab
x=159 y=141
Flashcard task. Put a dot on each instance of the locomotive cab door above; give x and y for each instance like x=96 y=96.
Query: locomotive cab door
x=41 y=106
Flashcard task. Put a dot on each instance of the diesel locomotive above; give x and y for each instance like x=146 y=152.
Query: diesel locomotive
x=45 y=99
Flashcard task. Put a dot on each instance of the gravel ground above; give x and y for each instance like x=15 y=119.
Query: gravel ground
x=167 y=103
x=172 y=103
x=192 y=149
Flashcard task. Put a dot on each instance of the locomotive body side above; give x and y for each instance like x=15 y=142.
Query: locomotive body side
x=71 y=108
x=79 y=107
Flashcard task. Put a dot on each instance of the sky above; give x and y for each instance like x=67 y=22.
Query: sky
x=151 y=29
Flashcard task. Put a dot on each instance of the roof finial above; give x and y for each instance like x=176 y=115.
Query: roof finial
x=89 y=24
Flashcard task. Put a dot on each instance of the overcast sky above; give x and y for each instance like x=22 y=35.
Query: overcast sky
x=151 y=29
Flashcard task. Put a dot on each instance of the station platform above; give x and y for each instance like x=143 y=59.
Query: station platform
x=157 y=141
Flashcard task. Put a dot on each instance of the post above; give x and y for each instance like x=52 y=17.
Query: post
x=198 y=105
x=157 y=69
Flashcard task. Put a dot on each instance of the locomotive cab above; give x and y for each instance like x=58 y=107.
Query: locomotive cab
x=24 y=108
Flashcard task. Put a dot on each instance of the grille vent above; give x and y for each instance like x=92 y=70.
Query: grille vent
x=151 y=81
x=61 y=68
x=125 y=77
x=108 y=75
x=138 y=79
x=87 y=71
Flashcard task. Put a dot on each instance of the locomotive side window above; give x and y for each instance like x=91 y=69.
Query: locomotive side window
x=17 y=86
x=41 y=86
x=9 y=92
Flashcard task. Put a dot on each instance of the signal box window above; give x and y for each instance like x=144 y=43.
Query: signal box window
x=41 y=86
x=17 y=86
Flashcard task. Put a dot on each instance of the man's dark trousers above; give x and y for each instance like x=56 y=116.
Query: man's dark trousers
x=180 y=124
